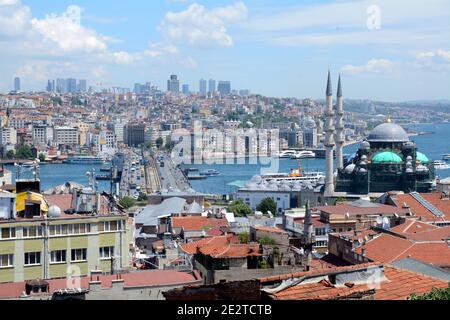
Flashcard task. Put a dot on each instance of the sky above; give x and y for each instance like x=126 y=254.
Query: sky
x=390 y=50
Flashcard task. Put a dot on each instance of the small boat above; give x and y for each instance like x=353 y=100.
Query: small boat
x=441 y=165
x=30 y=164
x=446 y=156
x=209 y=172
x=193 y=174
x=103 y=177
x=303 y=155
x=107 y=169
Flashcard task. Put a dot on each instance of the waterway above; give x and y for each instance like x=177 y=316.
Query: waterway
x=235 y=175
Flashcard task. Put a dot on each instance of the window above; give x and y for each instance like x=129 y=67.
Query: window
x=8 y=233
x=106 y=252
x=6 y=260
x=78 y=255
x=32 y=258
x=110 y=226
x=58 y=256
x=32 y=232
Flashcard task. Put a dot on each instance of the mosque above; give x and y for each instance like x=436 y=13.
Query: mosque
x=386 y=161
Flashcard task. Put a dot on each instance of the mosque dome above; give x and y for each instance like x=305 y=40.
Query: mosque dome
x=364 y=145
x=386 y=157
x=388 y=132
x=422 y=158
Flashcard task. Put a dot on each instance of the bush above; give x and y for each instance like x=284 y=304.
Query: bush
x=240 y=209
x=267 y=205
x=436 y=294
x=127 y=202
x=266 y=241
x=244 y=237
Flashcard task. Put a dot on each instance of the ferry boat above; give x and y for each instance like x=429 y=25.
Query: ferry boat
x=303 y=155
x=30 y=164
x=297 y=174
x=84 y=160
x=209 y=172
x=446 y=156
x=103 y=176
x=193 y=174
x=441 y=165
x=287 y=154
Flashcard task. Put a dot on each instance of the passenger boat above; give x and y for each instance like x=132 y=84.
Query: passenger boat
x=193 y=174
x=287 y=154
x=303 y=155
x=209 y=172
x=297 y=174
x=84 y=160
x=446 y=156
x=441 y=165
x=103 y=176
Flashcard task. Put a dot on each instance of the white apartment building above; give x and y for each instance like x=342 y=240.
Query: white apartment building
x=66 y=136
x=42 y=135
x=8 y=135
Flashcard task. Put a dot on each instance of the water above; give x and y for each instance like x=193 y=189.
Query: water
x=52 y=175
x=234 y=176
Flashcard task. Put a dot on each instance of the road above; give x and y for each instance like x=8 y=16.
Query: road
x=171 y=176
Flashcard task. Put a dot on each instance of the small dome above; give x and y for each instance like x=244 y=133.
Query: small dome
x=386 y=157
x=388 y=132
x=349 y=169
x=54 y=212
x=364 y=145
x=408 y=158
x=422 y=158
x=364 y=158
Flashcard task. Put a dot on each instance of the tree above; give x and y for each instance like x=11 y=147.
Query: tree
x=266 y=241
x=11 y=154
x=239 y=208
x=169 y=144
x=159 y=142
x=24 y=152
x=244 y=237
x=41 y=157
x=436 y=294
x=127 y=202
x=267 y=205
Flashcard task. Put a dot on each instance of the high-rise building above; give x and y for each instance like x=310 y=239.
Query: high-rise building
x=173 y=84
x=16 y=84
x=50 y=86
x=134 y=134
x=202 y=86
x=82 y=86
x=61 y=85
x=211 y=85
x=71 y=85
x=224 y=87
x=185 y=89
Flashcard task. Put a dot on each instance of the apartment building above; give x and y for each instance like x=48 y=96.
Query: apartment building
x=66 y=135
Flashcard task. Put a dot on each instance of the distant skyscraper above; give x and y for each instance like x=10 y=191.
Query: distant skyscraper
x=82 y=86
x=50 y=86
x=202 y=86
x=61 y=85
x=211 y=85
x=71 y=85
x=185 y=89
x=173 y=84
x=17 y=84
x=224 y=87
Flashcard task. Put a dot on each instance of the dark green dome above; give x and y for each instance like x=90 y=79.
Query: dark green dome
x=386 y=157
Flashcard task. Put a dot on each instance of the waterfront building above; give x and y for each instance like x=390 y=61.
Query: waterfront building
x=42 y=134
x=8 y=136
x=202 y=86
x=310 y=137
x=66 y=136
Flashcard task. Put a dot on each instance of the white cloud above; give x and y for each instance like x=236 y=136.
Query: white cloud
x=14 y=18
x=433 y=60
x=123 y=57
x=379 y=66
x=198 y=25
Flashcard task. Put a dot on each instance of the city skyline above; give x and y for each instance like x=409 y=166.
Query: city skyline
x=276 y=49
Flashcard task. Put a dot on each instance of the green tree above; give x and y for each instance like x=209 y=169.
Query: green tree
x=127 y=202
x=159 y=142
x=41 y=157
x=436 y=294
x=169 y=143
x=11 y=154
x=239 y=208
x=24 y=152
x=244 y=237
x=267 y=205
x=266 y=241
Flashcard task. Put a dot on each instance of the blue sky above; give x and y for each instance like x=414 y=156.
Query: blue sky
x=390 y=50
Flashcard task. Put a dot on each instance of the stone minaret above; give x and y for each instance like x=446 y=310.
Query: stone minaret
x=329 y=139
x=307 y=238
x=339 y=135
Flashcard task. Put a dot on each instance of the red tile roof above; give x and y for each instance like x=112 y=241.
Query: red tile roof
x=63 y=201
x=269 y=229
x=355 y=210
x=197 y=223
x=398 y=285
x=191 y=247
x=419 y=210
x=135 y=279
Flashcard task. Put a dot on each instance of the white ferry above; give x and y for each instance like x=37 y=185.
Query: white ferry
x=303 y=155
x=441 y=165
x=84 y=160
x=446 y=156
x=287 y=154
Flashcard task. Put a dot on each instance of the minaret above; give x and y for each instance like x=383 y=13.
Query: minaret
x=308 y=238
x=329 y=141
x=339 y=136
